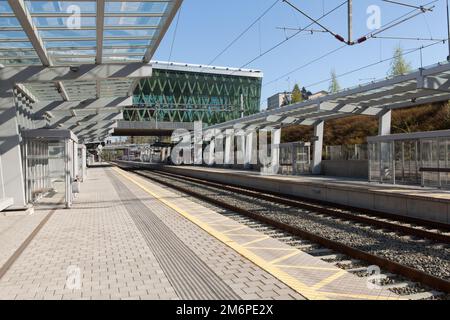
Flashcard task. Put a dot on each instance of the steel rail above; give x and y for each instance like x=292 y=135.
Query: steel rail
x=320 y=209
x=391 y=266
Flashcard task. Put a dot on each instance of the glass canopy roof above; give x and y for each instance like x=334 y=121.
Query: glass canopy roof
x=70 y=33
x=83 y=31
x=426 y=85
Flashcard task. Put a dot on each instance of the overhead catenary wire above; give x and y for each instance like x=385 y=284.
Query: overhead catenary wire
x=407 y=38
x=174 y=35
x=315 y=21
x=406 y=4
x=394 y=21
x=292 y=36
x=374 y=64
x=244 y=32
x=396 y=24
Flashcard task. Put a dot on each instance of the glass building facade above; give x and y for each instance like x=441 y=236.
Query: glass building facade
x=187 y=96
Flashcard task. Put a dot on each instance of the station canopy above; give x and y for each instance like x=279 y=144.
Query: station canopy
x=62 y=33
x=423 y=86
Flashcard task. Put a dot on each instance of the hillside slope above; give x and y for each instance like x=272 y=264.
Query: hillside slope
x=354 y=130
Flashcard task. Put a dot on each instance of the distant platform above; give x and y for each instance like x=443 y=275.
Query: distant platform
x=99 y=165
x=409 y=201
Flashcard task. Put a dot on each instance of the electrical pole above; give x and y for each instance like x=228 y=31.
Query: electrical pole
x=448 y=31
x=350 y=20
x=242 y=106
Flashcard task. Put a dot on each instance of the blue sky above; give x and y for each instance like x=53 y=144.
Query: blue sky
x=208 y=26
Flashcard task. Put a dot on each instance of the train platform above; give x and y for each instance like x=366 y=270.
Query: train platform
x=414 y=202
x=128 y=238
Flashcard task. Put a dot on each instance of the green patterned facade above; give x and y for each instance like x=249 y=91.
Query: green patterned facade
x=182 y=96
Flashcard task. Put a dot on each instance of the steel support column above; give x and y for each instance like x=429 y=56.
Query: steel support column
x=275 y=153
x=229 y=147
x=10 y=149
x=240 y=147
x=211 y=152
x=384 y=123
x=318 y=146
x=251 y=154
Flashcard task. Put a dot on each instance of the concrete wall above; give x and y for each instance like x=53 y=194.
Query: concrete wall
x=346 y=168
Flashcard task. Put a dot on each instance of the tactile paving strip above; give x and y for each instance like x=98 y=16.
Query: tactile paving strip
x=189 y=275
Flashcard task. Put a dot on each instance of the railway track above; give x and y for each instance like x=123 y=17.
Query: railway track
x=345 y=255
x=426 y=229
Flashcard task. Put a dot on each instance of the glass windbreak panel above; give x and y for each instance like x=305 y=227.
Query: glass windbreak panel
x=136 y=7
x=69 y=7
x=444 y=162
x=286 y=159
x=411 y=162
x=399 y=161
x=302 y=157
x=132 y=21
x=429 y=153
x=386 y=162
x=374 y=162
x=57 y=166
x=37 y=180
x=63 y=22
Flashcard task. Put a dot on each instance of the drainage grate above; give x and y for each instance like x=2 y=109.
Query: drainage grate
x=191 y=278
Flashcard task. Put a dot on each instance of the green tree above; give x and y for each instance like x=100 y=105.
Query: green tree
x=334 y=83
x=306 y=94
x=296 y=94
x=399 y=65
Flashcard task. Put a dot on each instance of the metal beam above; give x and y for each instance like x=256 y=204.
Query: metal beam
x=83 y=108
x=62 y=91
x=86 y=72
x=434 y=83
x=24 y=17
x=100 y=24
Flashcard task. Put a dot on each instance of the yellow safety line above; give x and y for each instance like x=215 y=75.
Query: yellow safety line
x=305 y=267
x=216 y=221
x=255 y=241
x=234 y=229
x=203 y=214
x=305 y=290
x=330 y=279
x=245 y=235
x=222 y=225
x=363 y=296
x=268 y=248
x=285 y=257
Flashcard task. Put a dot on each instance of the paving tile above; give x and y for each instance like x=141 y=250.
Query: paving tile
x=99 y=242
